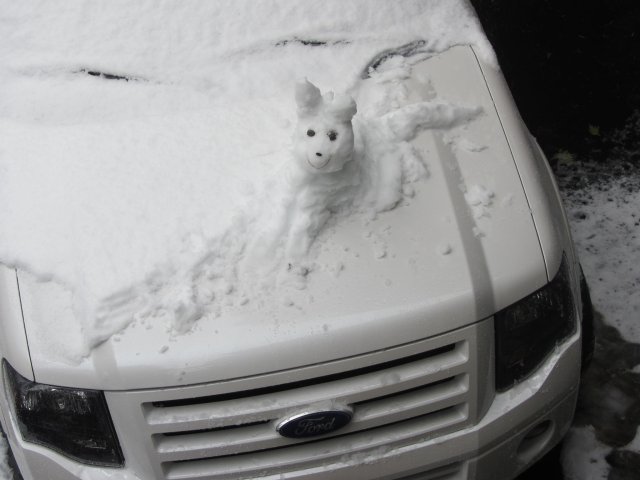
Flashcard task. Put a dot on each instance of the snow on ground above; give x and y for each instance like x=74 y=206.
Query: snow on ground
x=602 y=203
x=606 y=227
x=6 y=473
x=141 y=141
x=584 y=456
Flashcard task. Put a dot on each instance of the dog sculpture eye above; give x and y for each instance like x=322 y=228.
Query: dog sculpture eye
x=332 y=135
x=310 y=133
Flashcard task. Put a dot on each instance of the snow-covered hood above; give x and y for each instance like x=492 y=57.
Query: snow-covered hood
x=459 y=245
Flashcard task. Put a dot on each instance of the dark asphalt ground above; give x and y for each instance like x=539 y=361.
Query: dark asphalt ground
x=572 y=66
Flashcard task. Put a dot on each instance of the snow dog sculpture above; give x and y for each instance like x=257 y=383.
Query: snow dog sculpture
x=323 y=139
x=324 y=173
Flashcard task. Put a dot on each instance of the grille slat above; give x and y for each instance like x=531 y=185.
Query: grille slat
x=381 y=396
x=412 y=404
x=373 y=414
x=201 y=445
x=360 y=445
x=269 y=406
x=303 y=383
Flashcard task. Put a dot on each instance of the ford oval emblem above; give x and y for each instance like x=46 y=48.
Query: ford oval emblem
x=314 y=423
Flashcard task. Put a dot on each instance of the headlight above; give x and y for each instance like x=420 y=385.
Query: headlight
x=527 y=331
x=73 y=422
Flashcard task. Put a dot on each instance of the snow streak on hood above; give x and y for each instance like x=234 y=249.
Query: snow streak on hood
x=445 y=239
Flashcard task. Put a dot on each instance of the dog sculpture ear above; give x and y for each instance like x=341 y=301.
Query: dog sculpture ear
x=308 y=98
x=342 y=108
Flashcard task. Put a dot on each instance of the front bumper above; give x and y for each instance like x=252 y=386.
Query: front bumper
x=519 y=427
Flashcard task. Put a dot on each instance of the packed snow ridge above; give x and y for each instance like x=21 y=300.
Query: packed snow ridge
x=167 y=183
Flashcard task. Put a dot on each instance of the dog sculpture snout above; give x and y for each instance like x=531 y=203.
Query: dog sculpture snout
x=323 y=141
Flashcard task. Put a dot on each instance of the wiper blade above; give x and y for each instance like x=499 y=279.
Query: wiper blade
x=404 y=50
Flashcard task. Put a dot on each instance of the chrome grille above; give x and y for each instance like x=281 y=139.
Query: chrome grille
x=416 y=392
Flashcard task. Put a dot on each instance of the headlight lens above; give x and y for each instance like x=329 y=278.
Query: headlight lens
x=73 y=422
x=529 y=330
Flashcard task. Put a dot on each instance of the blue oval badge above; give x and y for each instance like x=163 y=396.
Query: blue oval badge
x=312 y=424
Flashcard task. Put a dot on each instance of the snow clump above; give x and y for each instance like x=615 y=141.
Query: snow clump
x=479 y=199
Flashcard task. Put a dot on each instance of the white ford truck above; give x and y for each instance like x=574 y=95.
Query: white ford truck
x=454 y=362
